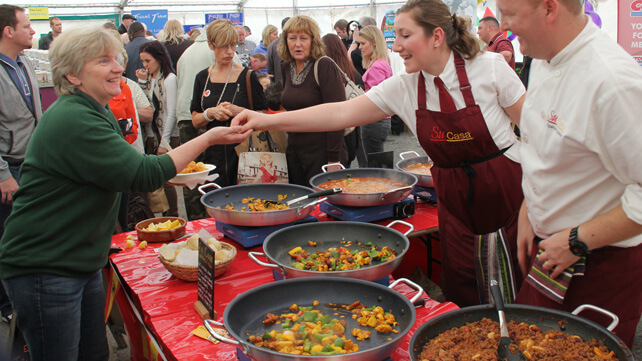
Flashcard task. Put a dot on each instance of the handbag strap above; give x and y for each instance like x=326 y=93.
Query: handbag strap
x=250 y=147
x=316 y=70
x=271 y=144
x=248 y=89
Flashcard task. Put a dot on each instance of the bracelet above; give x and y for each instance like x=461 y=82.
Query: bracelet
x=205 y=115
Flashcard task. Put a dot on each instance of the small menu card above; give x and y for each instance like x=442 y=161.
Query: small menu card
x=205 y=275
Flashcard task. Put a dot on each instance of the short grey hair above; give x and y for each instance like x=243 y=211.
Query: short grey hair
x=73 y=48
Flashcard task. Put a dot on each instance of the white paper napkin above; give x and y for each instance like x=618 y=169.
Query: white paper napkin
x=191 y=184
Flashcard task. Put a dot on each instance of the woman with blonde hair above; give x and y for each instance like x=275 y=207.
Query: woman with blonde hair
x=376 y=61
x=220 y=93
x=75 y=169
x=459 y=103
x=300 y=48
x=174 y=39
x=270 y=33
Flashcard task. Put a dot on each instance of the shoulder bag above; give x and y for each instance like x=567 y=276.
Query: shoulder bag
x=352 y=90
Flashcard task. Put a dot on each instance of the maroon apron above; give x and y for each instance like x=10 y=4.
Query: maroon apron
x=479 y=189
x=611 y=281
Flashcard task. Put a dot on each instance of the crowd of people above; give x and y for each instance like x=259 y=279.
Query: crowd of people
x=131 y=114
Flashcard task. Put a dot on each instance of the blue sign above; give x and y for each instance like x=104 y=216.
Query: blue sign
x=388 y=28
x=154 y=19
x=188 y=28
x=236 y=18
x=211 y=17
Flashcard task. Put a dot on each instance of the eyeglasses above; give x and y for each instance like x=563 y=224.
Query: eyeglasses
x=228 y=46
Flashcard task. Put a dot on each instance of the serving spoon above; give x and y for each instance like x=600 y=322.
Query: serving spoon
x=325 y=192
x=504 y=351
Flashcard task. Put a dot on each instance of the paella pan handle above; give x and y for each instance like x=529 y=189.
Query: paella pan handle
x=207 y=185
x=254 y=255
x=410 y=226
x=324 y=167
x=420 y=291
x=410 y=152
x=406 y=188
x=610 y=327
x=313 y=204
x=210 y=329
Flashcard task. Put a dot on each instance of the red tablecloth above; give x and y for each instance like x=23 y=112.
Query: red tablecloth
x=166 y=303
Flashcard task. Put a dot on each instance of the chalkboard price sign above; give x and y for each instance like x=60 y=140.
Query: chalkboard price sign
x=206 y=277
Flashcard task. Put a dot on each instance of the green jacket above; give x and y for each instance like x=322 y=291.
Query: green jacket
x=76 y=166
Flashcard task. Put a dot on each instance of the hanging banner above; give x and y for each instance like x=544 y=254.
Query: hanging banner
x=39 y=13
x=236 y=18
x=388 y=28
x=629 y=34
x=154 y=20
x=188 y=28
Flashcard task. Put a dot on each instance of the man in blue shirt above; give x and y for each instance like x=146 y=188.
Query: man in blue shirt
x=20 y=109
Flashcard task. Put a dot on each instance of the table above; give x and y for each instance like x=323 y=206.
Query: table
x=158 y=308
x=47 y=96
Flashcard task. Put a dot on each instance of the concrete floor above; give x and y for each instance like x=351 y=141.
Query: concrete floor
x=396 y=143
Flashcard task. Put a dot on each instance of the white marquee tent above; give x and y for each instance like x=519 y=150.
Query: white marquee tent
x=259 y=13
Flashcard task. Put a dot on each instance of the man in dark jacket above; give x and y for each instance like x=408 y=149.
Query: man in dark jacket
x=137 y=36
x=56 y=29
x=127 y=20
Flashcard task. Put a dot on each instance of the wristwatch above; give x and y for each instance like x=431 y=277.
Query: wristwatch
x=576 y=246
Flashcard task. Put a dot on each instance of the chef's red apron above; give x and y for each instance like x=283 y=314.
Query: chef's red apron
x=479 y=189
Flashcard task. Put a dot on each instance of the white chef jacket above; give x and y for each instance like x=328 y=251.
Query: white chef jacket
x=582 y=135
x=494 y=85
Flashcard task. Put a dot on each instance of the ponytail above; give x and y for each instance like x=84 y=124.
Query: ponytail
x=463 y=41
x=430 y=14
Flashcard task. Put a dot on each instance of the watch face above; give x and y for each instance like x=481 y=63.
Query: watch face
x=578 y=248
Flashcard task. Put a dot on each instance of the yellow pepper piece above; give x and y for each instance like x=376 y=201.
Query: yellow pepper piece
x=295 y=250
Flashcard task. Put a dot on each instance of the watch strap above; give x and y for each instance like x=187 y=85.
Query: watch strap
x=576 y=246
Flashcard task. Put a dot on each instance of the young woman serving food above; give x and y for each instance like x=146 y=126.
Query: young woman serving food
x=459 y=103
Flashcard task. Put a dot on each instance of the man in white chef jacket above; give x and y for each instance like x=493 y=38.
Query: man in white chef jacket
x=581 y=144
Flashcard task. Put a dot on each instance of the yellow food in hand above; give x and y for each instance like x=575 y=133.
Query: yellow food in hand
x=193 y=167
x=163 y=225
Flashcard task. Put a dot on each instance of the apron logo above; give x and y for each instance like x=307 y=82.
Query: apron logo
x=555 y=123
x=207 y=93
x=439 y=135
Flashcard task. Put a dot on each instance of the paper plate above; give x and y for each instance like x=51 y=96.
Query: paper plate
x=195 y=177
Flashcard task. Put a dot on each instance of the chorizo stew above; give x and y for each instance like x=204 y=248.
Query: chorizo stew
x=479 y=341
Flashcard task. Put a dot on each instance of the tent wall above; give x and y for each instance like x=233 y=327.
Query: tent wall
x=257 y=13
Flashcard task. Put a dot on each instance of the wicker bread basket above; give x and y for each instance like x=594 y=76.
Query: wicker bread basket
x=190 y=273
